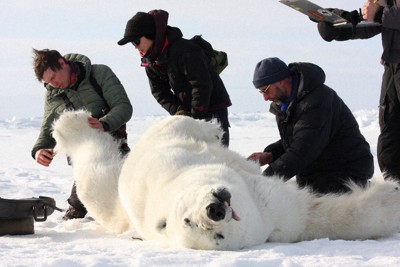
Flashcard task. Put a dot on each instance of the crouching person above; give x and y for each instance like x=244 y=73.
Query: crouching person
x=321 y=143
x=72 y=82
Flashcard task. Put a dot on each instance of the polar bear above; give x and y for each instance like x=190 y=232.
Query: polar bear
x=181 y=187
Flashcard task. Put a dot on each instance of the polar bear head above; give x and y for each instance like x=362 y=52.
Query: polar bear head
x=217 y=215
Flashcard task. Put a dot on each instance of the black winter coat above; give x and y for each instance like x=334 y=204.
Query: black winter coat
x=182 y=76
x=319 y=134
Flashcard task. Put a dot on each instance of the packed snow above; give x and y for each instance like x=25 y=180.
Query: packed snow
x=82 y=242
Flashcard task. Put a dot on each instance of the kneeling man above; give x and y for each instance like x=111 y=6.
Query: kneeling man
x=321 y=143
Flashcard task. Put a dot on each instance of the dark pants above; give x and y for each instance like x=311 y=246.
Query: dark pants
x=388 y=150
x=73 y=199
x=324 y=183
x=222 y=119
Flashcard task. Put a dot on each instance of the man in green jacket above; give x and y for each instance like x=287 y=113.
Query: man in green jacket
x=72 y=82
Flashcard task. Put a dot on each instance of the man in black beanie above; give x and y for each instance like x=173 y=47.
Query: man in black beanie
x=181 y=78
x=321 y=143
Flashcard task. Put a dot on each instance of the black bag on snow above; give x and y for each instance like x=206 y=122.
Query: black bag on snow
x=17 y=216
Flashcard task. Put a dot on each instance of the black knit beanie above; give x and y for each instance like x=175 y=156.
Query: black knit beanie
x=269 y=71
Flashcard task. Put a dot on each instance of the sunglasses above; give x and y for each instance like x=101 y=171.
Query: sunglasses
x=264 y=91
x=136 y=42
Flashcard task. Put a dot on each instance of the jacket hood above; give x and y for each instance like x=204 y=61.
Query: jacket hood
x=309 y=75
x=161 y=22
x=79 y=58
x=173 y=34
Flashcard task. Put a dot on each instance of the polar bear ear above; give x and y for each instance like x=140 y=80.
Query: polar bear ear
x=208 y=131
x=187 y=127
x=217 y=129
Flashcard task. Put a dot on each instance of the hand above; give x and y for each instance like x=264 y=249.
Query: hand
x=95 y=123
x=262 y=158
x=369 y=10
x=44 y=157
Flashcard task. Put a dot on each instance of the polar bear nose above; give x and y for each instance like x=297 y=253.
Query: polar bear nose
x=216 y=211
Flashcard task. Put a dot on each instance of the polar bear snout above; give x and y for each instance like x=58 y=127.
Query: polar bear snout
x=216 y=211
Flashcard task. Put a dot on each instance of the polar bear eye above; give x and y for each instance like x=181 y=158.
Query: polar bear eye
x=219 y=236
x=187 y=221
x=162 y=225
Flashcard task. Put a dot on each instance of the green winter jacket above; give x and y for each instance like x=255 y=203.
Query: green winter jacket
x=84 y=96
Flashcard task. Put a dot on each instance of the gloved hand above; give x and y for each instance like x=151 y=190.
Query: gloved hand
x=327 y=31
x=353 y=16
x=181 y=111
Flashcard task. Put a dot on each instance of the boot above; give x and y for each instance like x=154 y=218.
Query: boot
x=73 y=213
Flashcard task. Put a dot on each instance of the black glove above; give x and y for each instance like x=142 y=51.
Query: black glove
x=353 y=17
x=327 y=31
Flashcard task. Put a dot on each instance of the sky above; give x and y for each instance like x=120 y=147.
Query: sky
x=83 y=242
x=247 y=31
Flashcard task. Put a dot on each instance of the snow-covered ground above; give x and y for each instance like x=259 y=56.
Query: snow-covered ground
x=83 y=243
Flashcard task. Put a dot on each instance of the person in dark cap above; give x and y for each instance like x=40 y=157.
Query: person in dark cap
x=321 y=143
x=181 y=78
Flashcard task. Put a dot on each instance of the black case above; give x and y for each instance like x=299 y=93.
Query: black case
x=17 y=216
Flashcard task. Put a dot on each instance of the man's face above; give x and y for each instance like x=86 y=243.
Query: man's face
x=274 y=92
x=58 y=79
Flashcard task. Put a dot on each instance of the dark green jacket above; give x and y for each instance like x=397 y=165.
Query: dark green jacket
x=84 y=96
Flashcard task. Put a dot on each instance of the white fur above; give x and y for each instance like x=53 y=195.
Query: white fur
x=96 y=167
x=166 y=184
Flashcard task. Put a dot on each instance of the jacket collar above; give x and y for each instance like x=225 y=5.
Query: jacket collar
x=172 y=35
